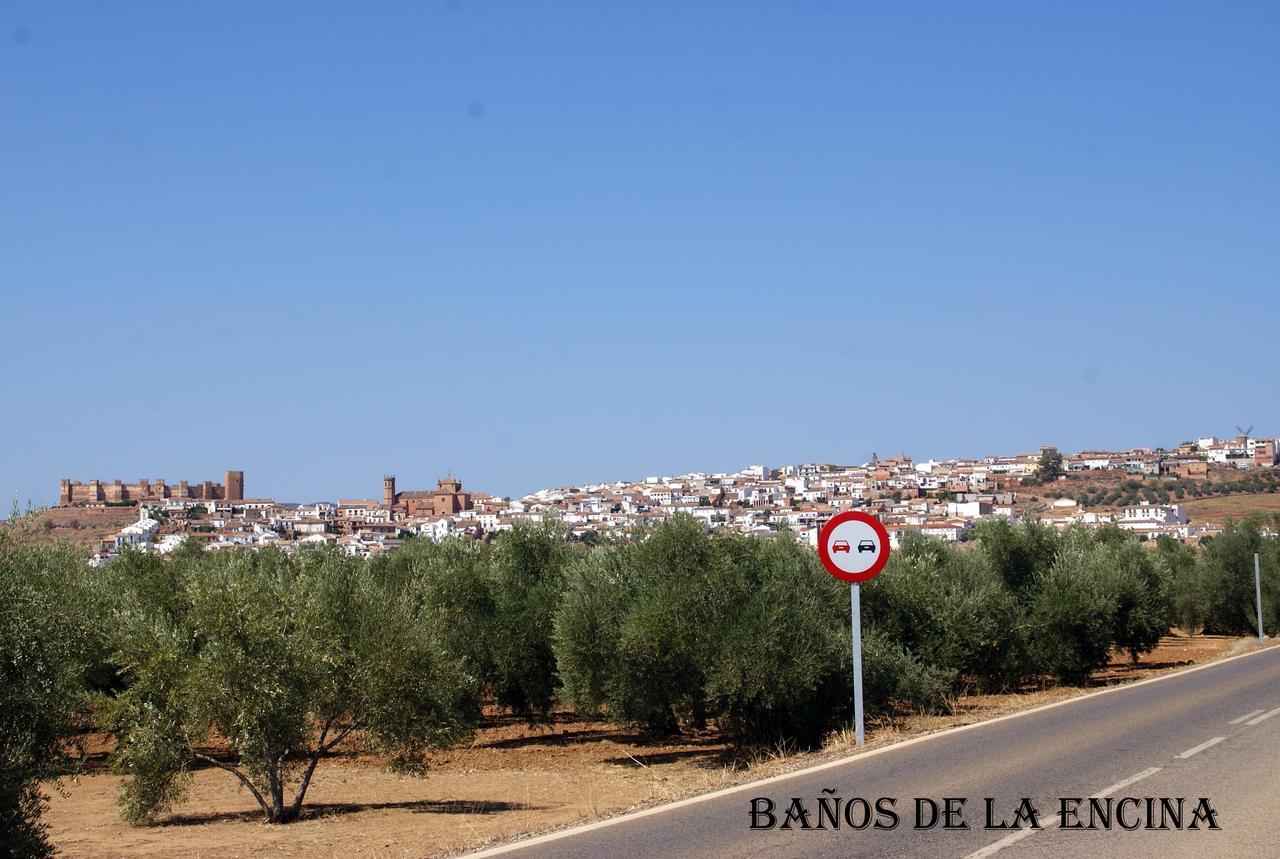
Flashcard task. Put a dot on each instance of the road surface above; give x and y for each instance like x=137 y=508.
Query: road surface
x=1210 y=732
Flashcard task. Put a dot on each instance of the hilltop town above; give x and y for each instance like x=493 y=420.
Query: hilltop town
x=1142 y=490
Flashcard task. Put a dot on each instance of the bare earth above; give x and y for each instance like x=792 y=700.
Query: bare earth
x=1217 y=510
x=85 y=527
x=513 y=780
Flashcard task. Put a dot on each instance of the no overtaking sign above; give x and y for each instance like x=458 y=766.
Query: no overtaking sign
x=854 y=547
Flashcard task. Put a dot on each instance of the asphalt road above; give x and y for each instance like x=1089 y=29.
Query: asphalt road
x=1211 y=732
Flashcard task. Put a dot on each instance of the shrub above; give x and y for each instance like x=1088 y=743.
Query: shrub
x=894 y=679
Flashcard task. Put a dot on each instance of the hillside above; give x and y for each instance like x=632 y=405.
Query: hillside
x=1217 y=510
x=83 y=526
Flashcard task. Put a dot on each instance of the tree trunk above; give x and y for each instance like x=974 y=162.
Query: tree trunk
x=276 y=785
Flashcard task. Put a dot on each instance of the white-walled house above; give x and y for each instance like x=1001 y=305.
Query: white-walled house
x=1146 y=514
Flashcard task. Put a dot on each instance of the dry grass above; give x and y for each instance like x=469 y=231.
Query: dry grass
x=1218 y=510
x=82 y=526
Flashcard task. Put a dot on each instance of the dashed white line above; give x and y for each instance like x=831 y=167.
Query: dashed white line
x=1015 y=837
x=1263 y=717
x=1012 y=838
x=1195 y=750
x=1105 y=792
x=1240 y=719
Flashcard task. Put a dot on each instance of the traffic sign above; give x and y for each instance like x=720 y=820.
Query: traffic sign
x=853 y=546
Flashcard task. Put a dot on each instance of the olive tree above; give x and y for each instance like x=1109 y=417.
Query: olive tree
x=526 y=578
x=281 y=657
x=950 y=608
x=47 y=644
x=1229 y=578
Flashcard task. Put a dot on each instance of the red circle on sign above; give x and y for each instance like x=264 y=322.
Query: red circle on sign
x=824 y=553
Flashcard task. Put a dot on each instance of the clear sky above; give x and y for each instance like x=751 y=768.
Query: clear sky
x=548 y=243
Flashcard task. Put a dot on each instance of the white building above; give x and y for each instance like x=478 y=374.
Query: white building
x=1148 y=514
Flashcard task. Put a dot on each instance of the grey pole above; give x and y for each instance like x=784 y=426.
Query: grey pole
x=1257 y=590
x=855 y=603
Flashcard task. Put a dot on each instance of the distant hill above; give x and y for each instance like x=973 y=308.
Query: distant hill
x=82 y=526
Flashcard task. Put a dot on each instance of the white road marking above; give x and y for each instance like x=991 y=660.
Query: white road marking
x=1105 y=792
x=1263 y=717
x=1240 y=719
x=513 y=846
x=1052 y=823
x=1200 y=748
x=1012 y=838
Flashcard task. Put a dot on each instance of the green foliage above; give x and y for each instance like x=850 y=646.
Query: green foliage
x=448 y=586
x=1073 y=615
x=1102 y=591
x=894 y=678
x=682 y=627
x=952 y=610
x=527 y=578
x=777 y=666
x=586 y=636
x=1016 y=552
x=1049 y=468
x=679 y=591
x=1144 y=611
x=1229 y=579
x=1185 y=582
x=48 y=647
x=284 y=657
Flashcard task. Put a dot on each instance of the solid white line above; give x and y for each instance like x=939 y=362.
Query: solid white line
x=1200 y=748
x=1012 y=838
x=716 y=794
x=1240 y=719
x=1263 y=717
x=1107 y=791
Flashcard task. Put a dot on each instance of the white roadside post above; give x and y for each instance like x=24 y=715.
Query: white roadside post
x=1257 y=592
x=855 y=605
x=854 y=547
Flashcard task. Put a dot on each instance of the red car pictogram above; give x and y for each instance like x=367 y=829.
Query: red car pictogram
x=840 y=546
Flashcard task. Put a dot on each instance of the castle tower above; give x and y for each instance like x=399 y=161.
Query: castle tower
x=233 y=485
x=389 y=490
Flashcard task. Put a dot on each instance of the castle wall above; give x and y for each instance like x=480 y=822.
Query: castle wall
x=72 y=492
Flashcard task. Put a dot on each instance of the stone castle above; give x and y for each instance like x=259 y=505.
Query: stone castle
x=73 y=492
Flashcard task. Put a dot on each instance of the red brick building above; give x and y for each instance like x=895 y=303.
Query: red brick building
x=446 y=499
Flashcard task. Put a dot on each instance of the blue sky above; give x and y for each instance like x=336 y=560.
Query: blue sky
x=548 y=243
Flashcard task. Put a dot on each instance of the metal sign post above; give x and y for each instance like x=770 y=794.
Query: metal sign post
x=1257 y=591
x=855 y=604
x=854 y=547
